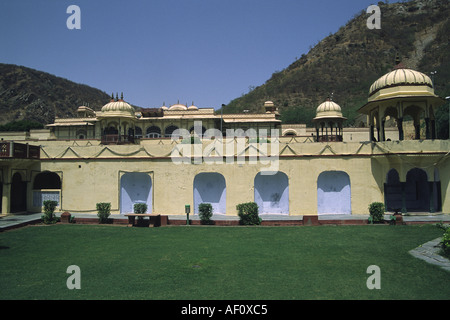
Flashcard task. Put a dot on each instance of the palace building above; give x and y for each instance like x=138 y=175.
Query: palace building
x=169 y=157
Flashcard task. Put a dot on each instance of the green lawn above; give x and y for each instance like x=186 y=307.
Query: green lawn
x=207 y=262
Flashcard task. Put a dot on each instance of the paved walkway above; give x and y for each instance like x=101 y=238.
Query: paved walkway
x=23 y=219
x=430 y=253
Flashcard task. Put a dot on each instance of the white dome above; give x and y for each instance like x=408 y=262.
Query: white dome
x=328 y=109
x=400 y=77
x=118 y=108
x=178 y=107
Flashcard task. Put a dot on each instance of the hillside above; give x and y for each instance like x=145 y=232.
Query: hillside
x=348 y=62
x=28 y=94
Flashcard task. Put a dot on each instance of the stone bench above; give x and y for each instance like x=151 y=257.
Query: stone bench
x=154 y=219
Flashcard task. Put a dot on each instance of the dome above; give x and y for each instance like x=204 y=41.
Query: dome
x=193 y=108
x=328 y=109
x=401 y=81
x=178 y=107
x=118 y=108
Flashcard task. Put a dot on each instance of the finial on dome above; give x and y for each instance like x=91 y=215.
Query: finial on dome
x=112 y=97
x=121 y=96
x=398 y=63
x=117 y=96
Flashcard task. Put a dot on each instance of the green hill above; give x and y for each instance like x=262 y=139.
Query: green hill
x=346 y=63
x=28 y=94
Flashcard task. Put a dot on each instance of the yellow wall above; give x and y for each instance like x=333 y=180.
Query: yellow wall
x=91 y=174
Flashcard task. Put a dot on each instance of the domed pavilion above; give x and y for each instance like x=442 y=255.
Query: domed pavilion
x=400 y=93
x=117 y=121
x=328 y=122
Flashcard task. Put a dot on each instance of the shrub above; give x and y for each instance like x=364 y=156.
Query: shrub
x=205 y=212
x=446 y=243
x=104 y=210
x=49 y=208
x=376 y=210
x=140 y=208
x=248 y=213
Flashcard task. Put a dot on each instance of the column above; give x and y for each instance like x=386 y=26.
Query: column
x=401 y=134
x=431 y=187
x=427 y=128
x=403 y=184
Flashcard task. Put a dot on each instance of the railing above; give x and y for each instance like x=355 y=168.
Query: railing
x=19 y=150
x=117 y=139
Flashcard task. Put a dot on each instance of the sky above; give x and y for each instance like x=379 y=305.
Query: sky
x=156 y=52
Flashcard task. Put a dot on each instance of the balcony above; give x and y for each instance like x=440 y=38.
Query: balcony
x=9 y=149
x=117 y=139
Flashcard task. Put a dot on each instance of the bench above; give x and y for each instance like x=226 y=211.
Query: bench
x=155 y=222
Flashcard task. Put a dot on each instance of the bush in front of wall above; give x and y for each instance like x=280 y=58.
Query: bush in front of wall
x=205 y=212
x=140 y=208
x=49 y=208
x=376 y=211
x=104 y=210
x=248 y=213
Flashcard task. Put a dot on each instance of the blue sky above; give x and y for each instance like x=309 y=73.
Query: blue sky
x=161 y=51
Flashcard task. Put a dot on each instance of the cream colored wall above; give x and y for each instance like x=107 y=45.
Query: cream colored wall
x=91 y=173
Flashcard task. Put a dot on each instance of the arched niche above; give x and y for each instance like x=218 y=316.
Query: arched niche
x=333 y=193
x=210 y=187
x=272 y=193
x=135 y=187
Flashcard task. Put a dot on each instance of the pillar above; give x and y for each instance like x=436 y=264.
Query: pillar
x=403 y=185
x=431 y=187
x=433 y=129
x=417 y=131
x=427 y=128
x=401 y=134
x=6 y=198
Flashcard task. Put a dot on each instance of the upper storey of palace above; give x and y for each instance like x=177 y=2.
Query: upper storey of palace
x=396 y=95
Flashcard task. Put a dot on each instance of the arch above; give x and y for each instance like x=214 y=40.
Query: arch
x=81 y=134
x=393 y=191
x=47 y=180
x=138 y=132
x=46 y=186
x=333 y=193
x=169 y=130
x=210 y=187
x=272 y=193
x=18 y=193
x=289 y=133
x=200 y=134
x=135 y=187
x=111 y=130
x=417 y=191
x=153 y=132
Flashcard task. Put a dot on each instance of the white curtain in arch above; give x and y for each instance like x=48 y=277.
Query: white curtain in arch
x=272 y=193
x=210 y=187
x=333 y=193
x=135 y=187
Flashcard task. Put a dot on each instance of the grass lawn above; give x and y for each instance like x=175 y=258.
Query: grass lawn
x=207 y=262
